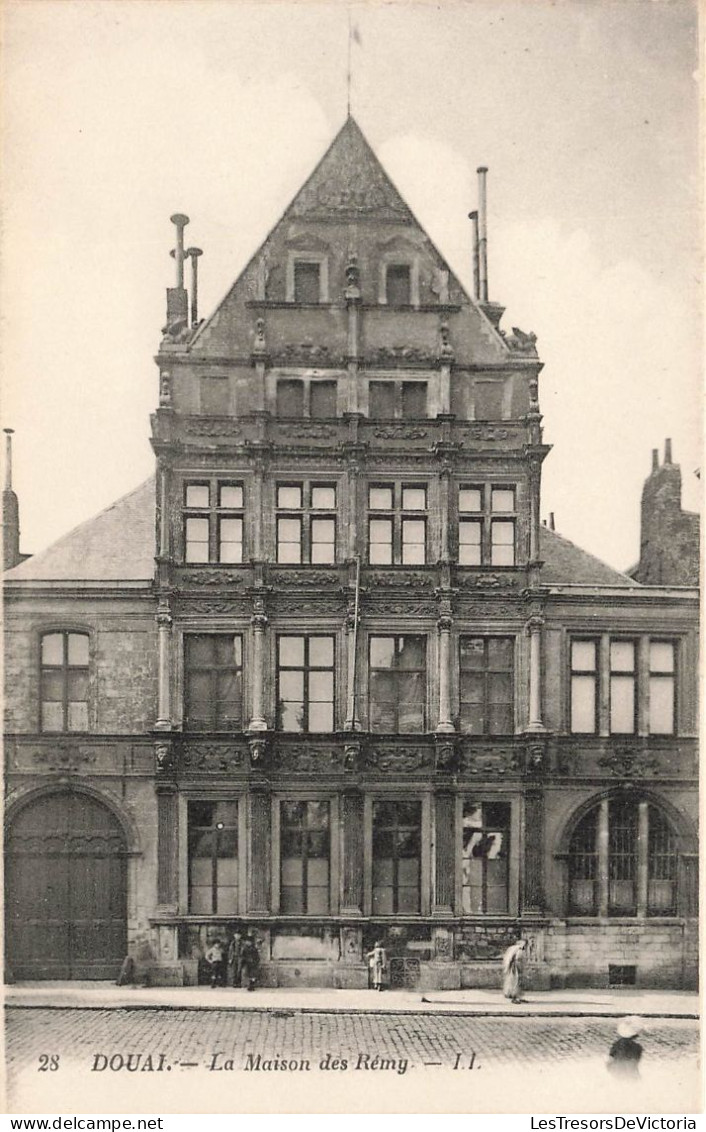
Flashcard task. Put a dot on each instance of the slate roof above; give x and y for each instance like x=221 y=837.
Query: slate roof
x=118 y=545
x=567 y=564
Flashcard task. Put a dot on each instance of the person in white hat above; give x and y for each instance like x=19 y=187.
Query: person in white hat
x=625 y=1053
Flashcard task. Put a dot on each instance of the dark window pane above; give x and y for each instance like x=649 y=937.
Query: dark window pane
x=306 y=282
x=381 y=400
x=399 y=285
x=323 y=399
x=290 y=398
x=414 y=399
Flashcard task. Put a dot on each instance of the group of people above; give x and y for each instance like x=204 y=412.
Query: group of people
x=234 y=964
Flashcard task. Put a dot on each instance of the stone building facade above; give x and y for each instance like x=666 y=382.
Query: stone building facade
x=327 y=676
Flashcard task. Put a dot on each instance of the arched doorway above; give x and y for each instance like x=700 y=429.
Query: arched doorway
x=66 y=889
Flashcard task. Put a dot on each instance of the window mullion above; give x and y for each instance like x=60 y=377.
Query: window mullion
x=65 y=680
x=643 y=841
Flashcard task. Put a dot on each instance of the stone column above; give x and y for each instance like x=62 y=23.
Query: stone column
x=533 y=887
x=603 y=847
x=259 y=862
x=534 y=628
x=535 y=469
x=352 y=863
x=445 y=724
x=352 y=722
x=445 y=850
x=352 y=297
x=164 y=637
x=256 y=524
x=444 y=508
x=643 y=835
x=167 y=847
x=259 y=624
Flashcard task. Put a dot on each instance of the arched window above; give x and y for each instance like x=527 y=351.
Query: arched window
x=623 y=861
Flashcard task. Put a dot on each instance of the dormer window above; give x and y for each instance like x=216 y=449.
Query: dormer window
x=398 y=285
x=307 y=278
x=307 y=282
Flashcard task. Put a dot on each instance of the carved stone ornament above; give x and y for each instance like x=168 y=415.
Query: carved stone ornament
x=535 y=757
x=352 y=756
x=446 y=760
x=259 y=751
x=205 y=606
x=306 y=430
x=389 y=608
x=446 y=349
x=303 y=577
x=260 y=346
x=399 y=759
x=400 y=432
x=400 y=355
x=164 y=757
x=165 y=389
x=629 y=762
x=307 y=354
x=490 y=762
x=487 y=581
x=399 y=579
x=213 y=577
x=521 y=343
x=64 y=755
x=487 y=433
x=305 y=758
x=323 y=606
x=211 y=756
x=210 y=427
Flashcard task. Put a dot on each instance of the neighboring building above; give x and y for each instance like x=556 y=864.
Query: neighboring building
x=328 y=675
x=669 y=537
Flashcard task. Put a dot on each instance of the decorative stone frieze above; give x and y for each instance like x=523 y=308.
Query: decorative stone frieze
x=399 y=759
x=486 y=760
x=206 y=756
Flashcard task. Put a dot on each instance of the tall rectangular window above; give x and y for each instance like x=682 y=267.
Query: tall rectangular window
x=485 y=857
x=486 y=684
x=486 y=525
x=397 y=829
x=213 y=858
x=306 y=523
x=213 y=679
x=305 y=850
x=502 y=530
x=64 y=682
x=623 y=703
x=470 y=526
x=584 y=687
x=213 y=521
x=290 y=398
x=307 y=282
x=398 y=280
x=323 y=399
x=662 y=688
x=397 y=524
x=305 y=683
x=414 y=400
x=381 y=400
x=397 y=684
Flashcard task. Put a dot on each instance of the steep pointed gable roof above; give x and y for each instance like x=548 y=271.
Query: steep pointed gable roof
x=349 y=183
x=117 y=545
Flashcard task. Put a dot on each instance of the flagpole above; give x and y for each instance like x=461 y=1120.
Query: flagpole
x=348 y=70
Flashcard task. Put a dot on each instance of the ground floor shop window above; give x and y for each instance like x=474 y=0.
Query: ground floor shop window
x=485 y=857
x=623 y=861
x=213 y=857
x=397 y=828
x=305 y=849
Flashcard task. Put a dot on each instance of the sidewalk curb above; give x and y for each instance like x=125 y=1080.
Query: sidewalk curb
x=282 y=1011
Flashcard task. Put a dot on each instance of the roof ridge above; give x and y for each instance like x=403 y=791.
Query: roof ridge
x=589 y=554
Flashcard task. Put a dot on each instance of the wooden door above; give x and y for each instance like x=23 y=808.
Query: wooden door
x=66 y=890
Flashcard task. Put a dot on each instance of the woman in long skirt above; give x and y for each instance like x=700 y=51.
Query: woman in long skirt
x=513 y=965
x=377 y=960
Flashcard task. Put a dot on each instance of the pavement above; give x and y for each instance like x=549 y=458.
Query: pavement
x=558 y=1003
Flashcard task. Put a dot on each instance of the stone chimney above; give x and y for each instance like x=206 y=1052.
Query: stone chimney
x=669 y=537
x=10 y=512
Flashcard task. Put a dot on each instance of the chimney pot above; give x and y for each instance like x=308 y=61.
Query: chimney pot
x=551 y=521
x=655 y=459
x=668 y=451
x=482 y=236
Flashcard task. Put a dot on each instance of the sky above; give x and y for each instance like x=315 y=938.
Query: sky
x=118 y=113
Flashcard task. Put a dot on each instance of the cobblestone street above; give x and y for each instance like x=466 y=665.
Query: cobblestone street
x=201 y=1046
